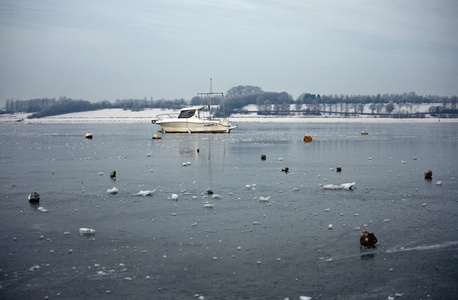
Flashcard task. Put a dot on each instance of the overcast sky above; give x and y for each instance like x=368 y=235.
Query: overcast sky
x=100 y=49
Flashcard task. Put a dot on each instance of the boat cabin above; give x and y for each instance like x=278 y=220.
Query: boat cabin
x=190 y=112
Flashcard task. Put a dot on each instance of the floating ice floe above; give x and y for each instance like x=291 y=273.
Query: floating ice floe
x=42 y=209
x=439 y=183
x=144 y=193
x=114 y=190
x=185 y=164
x=250 y=187
x=305 y=298
x=264 y=199
x=174 y=196
x=87 y=231
x=208 y=205
x=343 y=186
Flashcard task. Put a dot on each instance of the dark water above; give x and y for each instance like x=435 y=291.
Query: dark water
x=242 y=248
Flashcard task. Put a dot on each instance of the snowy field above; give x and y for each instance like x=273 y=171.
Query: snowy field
x=127 y=116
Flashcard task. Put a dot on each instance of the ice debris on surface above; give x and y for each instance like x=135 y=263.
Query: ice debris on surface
x=174 y=197
x=42 y=209
x=144 y=193
x=305 y=298
x=208 y=205
x=343 y=186
x=112 y=191
x=250 y=187
x=264 y=199
x=87 y=231
x=185 y=164
x=439 y=183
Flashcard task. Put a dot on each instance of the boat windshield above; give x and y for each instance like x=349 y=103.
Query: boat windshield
x=186 y=113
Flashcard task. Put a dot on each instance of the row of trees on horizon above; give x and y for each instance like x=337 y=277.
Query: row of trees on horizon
x=266 y=103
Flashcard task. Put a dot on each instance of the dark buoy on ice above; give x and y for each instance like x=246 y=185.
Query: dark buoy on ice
x=113 y=175
x=429 y=174
x=339 y=169
x=89 y=135
x=367 y=239
x=34 y=197
x=263 y=157
x=286 y=170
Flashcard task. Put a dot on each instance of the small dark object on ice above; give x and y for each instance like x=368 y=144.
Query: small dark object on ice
x=198 y=150
x=429 y=174
x=286 y=170
x=367 y=239
x=34 y=197
x=209 y=192
x=263 y=157
x=89 y=135
x=339 y=169
x=113 y=175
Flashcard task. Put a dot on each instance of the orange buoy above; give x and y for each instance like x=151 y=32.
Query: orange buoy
x=307 y=138
x=364 y=133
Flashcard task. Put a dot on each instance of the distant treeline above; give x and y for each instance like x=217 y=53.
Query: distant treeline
x=272 y=103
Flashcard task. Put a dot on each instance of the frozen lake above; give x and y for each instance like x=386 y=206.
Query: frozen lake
x=229 y=245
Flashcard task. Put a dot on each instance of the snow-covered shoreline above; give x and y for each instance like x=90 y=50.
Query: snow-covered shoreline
x=145 y=116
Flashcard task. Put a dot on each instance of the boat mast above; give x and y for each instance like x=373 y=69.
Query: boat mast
x=210 y=100
x=209 y=95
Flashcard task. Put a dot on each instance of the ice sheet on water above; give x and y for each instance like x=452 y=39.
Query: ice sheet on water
x=87 y=231
x=144 y=193
x=343 y=186
x=114 y=190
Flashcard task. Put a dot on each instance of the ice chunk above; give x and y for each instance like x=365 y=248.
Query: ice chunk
x=114 y=190
x=264 y=199
x=343 y=186
x=87 y=231
x=144 y=193
x=439 y=183
x=305 y=298
x=330 y=226
x=174 y=196
x=42 y=209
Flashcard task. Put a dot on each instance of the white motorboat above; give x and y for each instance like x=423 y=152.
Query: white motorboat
x=196 y=119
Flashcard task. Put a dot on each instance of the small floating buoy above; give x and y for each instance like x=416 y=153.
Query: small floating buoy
x=286 y=170
x=263 y=157
x=113 y=175
x=339 y=169
x=367 y=239
x=307 y=138
x=364 y=133
x=156 y=137
x=209 y=192
x=429 y=174
x=89 y=135
x=34 y=197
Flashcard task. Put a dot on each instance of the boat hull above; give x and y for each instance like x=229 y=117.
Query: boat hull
x=195 y=126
